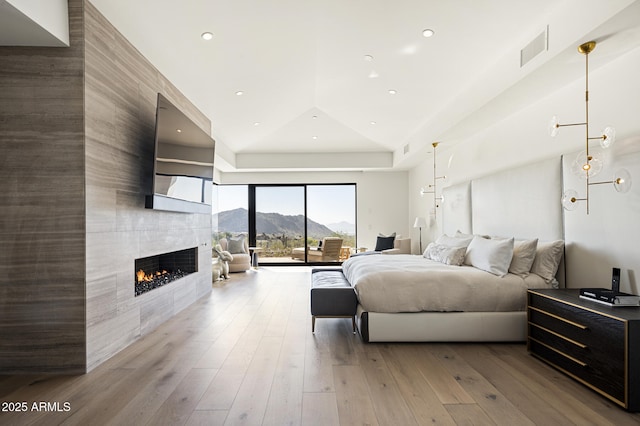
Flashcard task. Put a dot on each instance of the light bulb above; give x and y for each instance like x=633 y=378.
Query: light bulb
x=622 y=181
x=554 y=126
x=608 y=137
x=570 y=200
x=591 y=166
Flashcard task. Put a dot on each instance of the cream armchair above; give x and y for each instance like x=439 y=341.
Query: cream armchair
x=241 y=261
x=400 y=246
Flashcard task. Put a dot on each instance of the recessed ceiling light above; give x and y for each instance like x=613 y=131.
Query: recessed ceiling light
x=373 y=74
x=257 y=123
x=207 y=36
x=368 y=58
x=392 y=92
x=179 y=130
x=428 y=33
x=314 y=137
x=315 y=117
x=373 y=123
x=239 y=93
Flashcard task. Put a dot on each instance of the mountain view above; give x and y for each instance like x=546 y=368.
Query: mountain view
x=235 y=221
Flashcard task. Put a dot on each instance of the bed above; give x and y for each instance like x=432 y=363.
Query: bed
x=415 y=299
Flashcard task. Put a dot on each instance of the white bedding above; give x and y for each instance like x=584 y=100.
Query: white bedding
x=407 y=283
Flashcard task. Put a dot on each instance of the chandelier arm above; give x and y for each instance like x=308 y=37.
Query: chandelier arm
x=602 y=183
x=571 y=124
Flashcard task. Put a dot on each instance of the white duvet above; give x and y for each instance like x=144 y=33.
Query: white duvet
x=406 y=283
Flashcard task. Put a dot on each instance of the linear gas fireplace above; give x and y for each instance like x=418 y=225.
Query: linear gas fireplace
x=155 y=271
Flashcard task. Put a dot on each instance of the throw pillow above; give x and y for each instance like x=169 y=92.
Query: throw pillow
x=445 y=254
x=548 y=256
x=386 y=236
x=384 y=243
x=460 y=234
x=493 y=256
x=524 y=253
x=454 y=241
x=236 y=244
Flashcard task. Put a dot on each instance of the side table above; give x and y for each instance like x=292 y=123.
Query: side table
x=595 y=344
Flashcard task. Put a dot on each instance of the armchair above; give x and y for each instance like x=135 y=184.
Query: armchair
x=329 y=251
x=400 y=246
x=241 y=261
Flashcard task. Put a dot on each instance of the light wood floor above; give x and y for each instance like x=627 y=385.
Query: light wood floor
x=246 y=355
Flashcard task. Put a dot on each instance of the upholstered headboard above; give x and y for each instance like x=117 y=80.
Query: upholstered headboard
x=456 y=209
x=523 y=202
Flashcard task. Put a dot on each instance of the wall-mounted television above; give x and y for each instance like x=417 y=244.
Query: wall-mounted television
x=183 y=166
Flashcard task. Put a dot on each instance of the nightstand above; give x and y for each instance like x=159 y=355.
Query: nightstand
x=595 y=344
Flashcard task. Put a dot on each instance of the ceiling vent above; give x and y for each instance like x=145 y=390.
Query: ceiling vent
x=535 y=47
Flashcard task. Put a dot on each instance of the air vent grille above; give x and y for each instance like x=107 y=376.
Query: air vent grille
x=535 y=47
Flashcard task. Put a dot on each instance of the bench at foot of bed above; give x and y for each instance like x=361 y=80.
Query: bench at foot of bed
x=332 y=296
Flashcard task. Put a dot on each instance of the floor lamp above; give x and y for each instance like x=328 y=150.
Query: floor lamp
x=420 y=223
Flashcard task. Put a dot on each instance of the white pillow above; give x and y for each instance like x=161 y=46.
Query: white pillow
x=460 y=234
x=445 y=254
x=493 y=256
x=524 y=253
x=446 y=240
x=548 y=256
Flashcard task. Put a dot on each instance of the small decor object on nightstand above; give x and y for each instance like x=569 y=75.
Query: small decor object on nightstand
x=611 y=297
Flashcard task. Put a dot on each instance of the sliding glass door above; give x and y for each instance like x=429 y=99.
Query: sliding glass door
x=230 y=211
x=331 y=222
x=292 y=223
x=279 y=222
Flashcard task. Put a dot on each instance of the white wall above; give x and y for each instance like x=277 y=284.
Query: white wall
x=381 y=198
x=34 y=23
x=522 y=137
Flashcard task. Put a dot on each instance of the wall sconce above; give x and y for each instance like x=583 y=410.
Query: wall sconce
x=589 y=163
x=423 y=190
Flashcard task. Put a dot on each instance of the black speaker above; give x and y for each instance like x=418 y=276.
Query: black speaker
x=615 y=280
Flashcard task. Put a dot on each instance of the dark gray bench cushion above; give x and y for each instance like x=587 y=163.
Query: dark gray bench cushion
x=331 y=294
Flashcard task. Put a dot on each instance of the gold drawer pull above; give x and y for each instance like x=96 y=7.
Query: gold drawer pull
x=580 y=345
x=577 y=361
x=575 y=324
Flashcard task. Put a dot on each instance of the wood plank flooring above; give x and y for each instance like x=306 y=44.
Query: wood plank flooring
x=246 y=356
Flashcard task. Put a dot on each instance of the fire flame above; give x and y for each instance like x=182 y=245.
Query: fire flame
x=141 y=276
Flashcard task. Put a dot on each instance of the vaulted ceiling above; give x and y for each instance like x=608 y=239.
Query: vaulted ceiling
x=354 y=84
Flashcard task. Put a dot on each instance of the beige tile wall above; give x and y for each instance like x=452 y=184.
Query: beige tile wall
x=76 y=155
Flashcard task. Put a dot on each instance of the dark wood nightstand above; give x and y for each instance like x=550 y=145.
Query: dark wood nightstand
x=595 y=344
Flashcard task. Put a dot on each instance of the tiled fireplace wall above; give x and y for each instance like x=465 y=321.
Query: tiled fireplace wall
x=76 y=156
x=120 y=100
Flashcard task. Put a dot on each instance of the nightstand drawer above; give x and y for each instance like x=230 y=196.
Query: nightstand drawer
x=586 y=327
x=592 y=375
